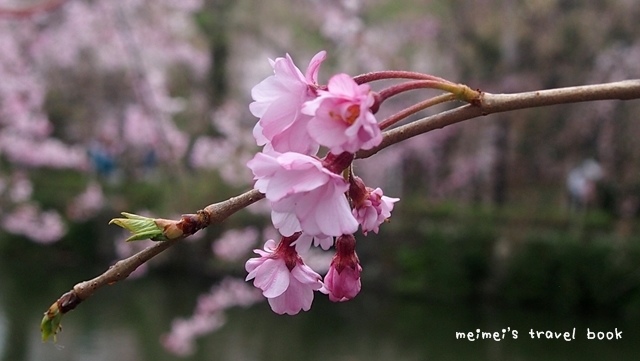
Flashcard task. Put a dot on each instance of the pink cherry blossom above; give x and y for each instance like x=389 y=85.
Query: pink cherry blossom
x=342 y=117
x=371 y=206
x=278 y=101
x=374 y=211
x=284 y=279
x=304 y=195
x=342 y=282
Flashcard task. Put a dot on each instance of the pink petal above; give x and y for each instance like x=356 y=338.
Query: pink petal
x=305 y=275
x=303 y=243
x=278 y=117
x=257 y=134
x=325 y=242
x=298 y=297
x=287 y=68
x=278 y=305
x=263 y=165
x=344 y=85
x=251 y=265
x=272 y=277
x=314 y=67
x=326 y=212
x=329 y=134
x=295 y=138
x=286 y=223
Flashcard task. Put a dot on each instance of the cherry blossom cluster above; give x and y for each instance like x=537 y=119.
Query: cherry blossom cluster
x=314 y=199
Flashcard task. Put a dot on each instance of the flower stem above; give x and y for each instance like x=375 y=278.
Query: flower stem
x=410 y=85
x=396 y=74
x=461 y=91
x=416 y=108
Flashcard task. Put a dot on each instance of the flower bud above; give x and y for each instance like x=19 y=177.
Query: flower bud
x=342 y=282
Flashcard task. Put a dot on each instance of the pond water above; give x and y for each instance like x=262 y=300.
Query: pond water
x=125 y=322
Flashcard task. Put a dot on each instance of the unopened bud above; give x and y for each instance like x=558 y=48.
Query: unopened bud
x=140 y=227
x=358 y=192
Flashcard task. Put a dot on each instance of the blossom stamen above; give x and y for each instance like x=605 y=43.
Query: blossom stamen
x=353 y=112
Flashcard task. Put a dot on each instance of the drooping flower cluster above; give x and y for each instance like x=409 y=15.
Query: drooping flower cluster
x=313 y=200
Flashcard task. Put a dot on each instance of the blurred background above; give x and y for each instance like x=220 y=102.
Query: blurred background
x=525 y=220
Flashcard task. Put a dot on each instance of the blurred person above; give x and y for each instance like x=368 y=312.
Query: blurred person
x=582 y=183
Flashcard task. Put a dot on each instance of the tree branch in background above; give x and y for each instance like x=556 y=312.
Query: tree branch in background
x=489 y=103
x=46 y=6
x=171 y=231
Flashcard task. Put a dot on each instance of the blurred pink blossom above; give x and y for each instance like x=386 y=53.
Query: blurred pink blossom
x=144 y=131
x=208 y=315
x=183 y=332
x=235 y=141
x=235 y=244
x=50 y=152
x=31 y=222
x=209 y=152
x=86 y=204
x=21 y=188
x=341 y=21
x=214 y=153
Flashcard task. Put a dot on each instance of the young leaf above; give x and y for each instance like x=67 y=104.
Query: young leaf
x=140 y=227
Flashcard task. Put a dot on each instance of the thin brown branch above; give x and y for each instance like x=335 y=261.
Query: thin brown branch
x=396 y=74
x=485 y=104
x=215 y=213
x=496 y=103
